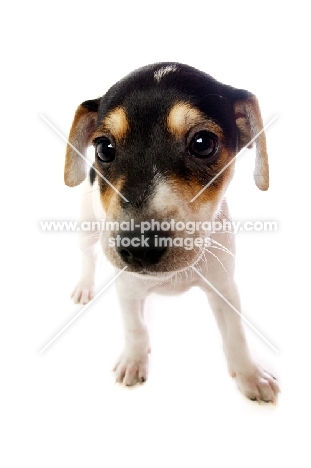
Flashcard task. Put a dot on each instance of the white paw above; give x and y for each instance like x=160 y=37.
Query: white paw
x=257 y=384
x=132 y=368
x=83 y=292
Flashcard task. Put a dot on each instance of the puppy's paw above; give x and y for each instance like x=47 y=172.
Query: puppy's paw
x=132 y=368
x=257 y=384
x=83 y=292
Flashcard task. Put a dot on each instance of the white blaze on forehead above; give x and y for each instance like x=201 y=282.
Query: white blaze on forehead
x=158 y=74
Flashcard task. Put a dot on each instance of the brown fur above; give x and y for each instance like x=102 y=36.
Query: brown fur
x=214 y=192
x=115 y=124
x=182 y=117
x=80 y=137
x=249 y=123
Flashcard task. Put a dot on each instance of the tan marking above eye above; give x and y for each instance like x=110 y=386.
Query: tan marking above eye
x=115 y=123
x=182 y=117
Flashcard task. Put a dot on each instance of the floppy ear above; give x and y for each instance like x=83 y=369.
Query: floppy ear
x=249 y=123
x=80 y=137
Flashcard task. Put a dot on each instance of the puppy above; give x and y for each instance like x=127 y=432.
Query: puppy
x=165 y=139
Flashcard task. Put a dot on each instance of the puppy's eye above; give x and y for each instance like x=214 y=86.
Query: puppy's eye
x=203 y=145
x=105 y=150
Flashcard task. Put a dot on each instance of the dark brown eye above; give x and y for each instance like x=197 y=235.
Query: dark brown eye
x=105 y=150
x=203 y=145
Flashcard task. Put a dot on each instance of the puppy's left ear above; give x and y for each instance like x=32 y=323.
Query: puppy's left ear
x=80 y=137
x=249 y=123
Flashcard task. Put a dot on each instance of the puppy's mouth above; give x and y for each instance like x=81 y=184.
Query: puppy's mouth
x=157 y=277
x=157 y=254
x=153 y=276
x=154 y=262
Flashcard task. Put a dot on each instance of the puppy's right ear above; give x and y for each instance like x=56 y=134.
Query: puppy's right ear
x=80 y=137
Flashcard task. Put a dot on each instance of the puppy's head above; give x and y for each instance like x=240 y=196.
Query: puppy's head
x=161 y=135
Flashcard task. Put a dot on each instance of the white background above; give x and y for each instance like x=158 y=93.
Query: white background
x=62 y=408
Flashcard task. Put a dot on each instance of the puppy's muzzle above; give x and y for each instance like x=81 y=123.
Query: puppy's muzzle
x=141 y=250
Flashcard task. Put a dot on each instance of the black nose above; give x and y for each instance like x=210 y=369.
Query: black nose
x=141 y=250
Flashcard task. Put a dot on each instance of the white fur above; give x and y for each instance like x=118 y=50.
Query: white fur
x=132 y=366
x=164 y=71
x=91 y=210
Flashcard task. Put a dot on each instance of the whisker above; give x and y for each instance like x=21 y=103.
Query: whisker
x=223 y=247
x=90 y=235
x=223 y=266
x=220 y=248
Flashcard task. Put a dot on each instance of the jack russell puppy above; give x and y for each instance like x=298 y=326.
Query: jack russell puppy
x=165 y=140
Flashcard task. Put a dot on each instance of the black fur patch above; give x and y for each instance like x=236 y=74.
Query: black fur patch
x=91 y=105
x=92 y=175
x=149 y=150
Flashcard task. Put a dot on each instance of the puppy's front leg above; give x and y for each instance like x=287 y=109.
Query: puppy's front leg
x=252 y=380
x=132 y=366
x=88 y=244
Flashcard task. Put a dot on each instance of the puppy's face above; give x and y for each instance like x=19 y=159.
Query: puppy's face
x=161 y=135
